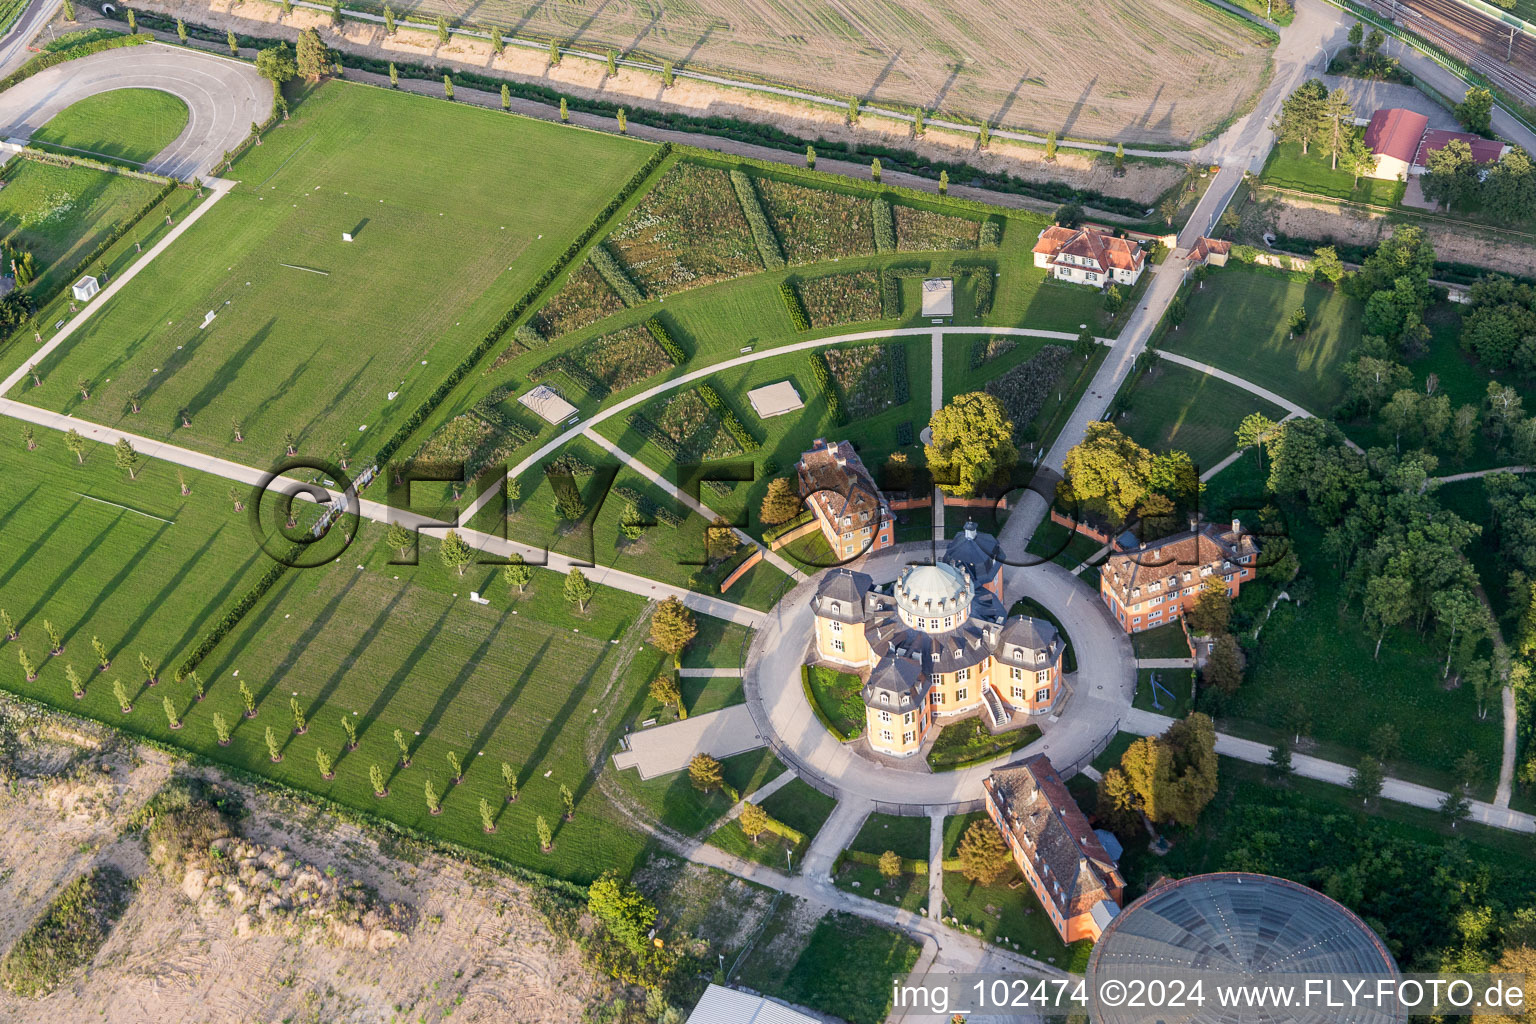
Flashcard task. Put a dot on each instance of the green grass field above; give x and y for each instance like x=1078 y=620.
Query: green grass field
x=1237 y=323
x=131 y=125
x=1181 y=681
x=1174 y=408
x=1313 y=172
x=61 y=214
x=441 y=251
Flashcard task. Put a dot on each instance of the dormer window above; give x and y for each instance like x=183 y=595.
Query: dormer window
x=885 y=698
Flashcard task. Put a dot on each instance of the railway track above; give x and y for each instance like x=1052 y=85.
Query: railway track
x=1499 y=52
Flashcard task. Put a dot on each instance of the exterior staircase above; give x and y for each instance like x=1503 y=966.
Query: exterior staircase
x=996 y=709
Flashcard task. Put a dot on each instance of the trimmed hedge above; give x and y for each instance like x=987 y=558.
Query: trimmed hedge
x=44 y=61
x=885 y=225
x=762 y=233
x=611 y=270
x=897 y=353
x=890 y=296
x=647 y=427
x=673 y=350
x=523 y=304
x=991 y=233
x=728 y=415
x=795 y=306
x=828 y=387
x=986 y=279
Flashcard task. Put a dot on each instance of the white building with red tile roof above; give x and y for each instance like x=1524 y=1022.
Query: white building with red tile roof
x=1402 y=141
x=1089 y=256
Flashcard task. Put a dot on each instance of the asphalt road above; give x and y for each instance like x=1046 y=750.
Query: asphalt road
x=223 y=98
x=13 y=48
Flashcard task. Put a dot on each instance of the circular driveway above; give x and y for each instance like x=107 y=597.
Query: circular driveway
x=1101 y=693
x=223 y=98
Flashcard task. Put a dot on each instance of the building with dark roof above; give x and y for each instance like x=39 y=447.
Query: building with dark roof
x=1484 y=151
x=1248 y=927
x=1089 y=256
x=1074 y=877
x=855 y=518
x=1154 y=584
x=937 y=643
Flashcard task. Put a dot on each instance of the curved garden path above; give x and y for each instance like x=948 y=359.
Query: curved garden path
x=224 y=98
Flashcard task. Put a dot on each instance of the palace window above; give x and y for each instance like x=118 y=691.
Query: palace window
x=837 y=645
x=1016 y=673
x=885 y=716
x=906 y=719
x=1018 y=693
x=885 y=734
x=907 y=737
x=1043 y=677
x=1042 y=695
x=963 y=674
x=960 y=694
x=837 y=627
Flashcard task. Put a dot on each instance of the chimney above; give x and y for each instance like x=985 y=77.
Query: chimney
x=1194 y=521
x=970 y=529
x=1237 y=527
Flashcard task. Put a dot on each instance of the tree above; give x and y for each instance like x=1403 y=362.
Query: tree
x=1327 y=265
x=1280 y=766
x=1358 y=156
x=943 y=182
x=311 y=56
x=1356 y=33
x=274 y=749
x=666 y=74
x=336 y=18
x=853 y=110
x=1455 y=807
x=151 y=670
x=75 y=443
x=389 y=20
x=487 y=819
x=890 y=865
x=220 y=729
x=497 y=43
x=517 y=572
x=623 y=120
x=434 y=802
x=394 y=76
x=1224 y=668
x=28 y=669
x=622 y=910
x=578 y=590
x=1367 y=779
x=972 y=444
x=276 y=63
x=983 y=135
x=673 y=628
x=55 y=638
x=1510 y=191
x=102 y=657
x=546 y=838
x=1255 y=431
x=399 y=538
x=1050 y=145
x=506 y=97
x=874 y=169
x=456 y=552
x=1385 y=743
x=1109 y=469
x=1301 y=114
x=781 y=502
x=704 y=773
x=323 y=762
x=29 y=437
x=133 y=22
x=8 y=625
x=1475 y=111
x=248 y=699
x=405 y=749
x=181 y=31
x=1119 y=158
x=1297 y=321
x=509 y=776
x=300 y=724
x=754 y=820
x=1174 y=775
x=123 y=703
x=565 y=114
x=350 y=729
x=442 y=30
x=127 y=458
x=448 y=87
x=1337 y=125
x=376 y=776
x=1212 y=609
x=810 y=157
x=983 y=857
x=666 y=692
x=1388 y=603
x=76 y=684
x=234 y=44
x=1372 y=381
x=1453 y=174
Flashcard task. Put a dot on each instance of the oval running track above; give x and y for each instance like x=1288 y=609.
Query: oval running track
x=223 y=98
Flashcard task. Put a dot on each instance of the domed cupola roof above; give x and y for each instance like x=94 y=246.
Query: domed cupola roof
x=928 y=591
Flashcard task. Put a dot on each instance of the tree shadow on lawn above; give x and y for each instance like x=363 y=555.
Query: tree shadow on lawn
x=557 y=724
x=337 y=394
x=408 y=666
x=168 y=588
x=37 y=543
x=112 y=585
x=215 y=604
x=449 y=694
x=499 y=715
x=364 y=641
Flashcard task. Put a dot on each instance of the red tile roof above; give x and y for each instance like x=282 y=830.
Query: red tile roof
x=1204 y=247
x=1107 y=251
x=1484 y=151
x=1396 y=133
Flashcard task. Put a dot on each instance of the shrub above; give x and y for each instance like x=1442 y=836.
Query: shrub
x=991 y=233
x=985 y=278
x=762 y=234
x=528 y=336
x=890 y=296
x=841 y=298
x=613 y=272
x=673 y=350
x=648 y=508
x=823 y=375
x=791 y=299
x=729 y=418
x=885 y=226
x=67 y=935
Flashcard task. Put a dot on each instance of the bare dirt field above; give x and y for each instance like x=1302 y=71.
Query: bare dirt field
x=1178 y=68
x=1455 y=242
x=449 y=938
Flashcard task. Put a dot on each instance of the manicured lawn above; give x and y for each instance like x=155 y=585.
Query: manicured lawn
x=1237 y=323
x=1111 y=755
x=701 y=695
x=718 y=644
x=907 y=835
x=1007 y=913
x=966 y=741
x=348 y=354
x=907 y=891
x=1065 y=547
x=1034 y=609
x=1181 y=681
x=1174 y=408
x=800 y=806
x=131 y=125
x=61 y=214
x=1320 y=656
x=1162 y=642
x=797 y=805
x=769 y=849
x=1288 y=167
x=843 y=966
x=677 y=805
x=836 y=695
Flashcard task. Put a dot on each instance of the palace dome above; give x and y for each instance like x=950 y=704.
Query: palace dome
x=926 y=595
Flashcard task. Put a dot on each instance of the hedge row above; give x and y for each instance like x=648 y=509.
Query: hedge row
x=648 y=429
x=828 y=387
x=991 y=233
x=673 y=350
x=885 y=225
x=796 y=309
x=44 y=61
x=890 y=296
x=728 y=415
x=611 y=270
x=232 y=617
x=522 y=306
x=897 y=353
x=528 y=337
x=648 y=508
x=762 y=232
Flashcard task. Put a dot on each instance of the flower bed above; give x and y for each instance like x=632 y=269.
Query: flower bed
x=585 y=298
x=814 y=224
x=1024 y=389
x=923 y=229
x=687 y=231
x=622 y=358
x=870 y=378
x=841 y=298
x=984 y=350
x=694 y=427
